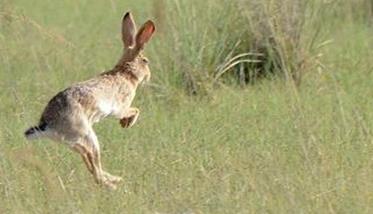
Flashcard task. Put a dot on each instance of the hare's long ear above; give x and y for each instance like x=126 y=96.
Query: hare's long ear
x=128 y=30
x=144 y=34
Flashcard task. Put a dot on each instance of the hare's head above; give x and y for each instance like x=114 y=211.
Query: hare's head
x=134 y=41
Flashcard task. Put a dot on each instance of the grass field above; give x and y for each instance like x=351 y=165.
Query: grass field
x=267 y=147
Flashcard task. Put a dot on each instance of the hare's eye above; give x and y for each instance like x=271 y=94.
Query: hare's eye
x=145 y=60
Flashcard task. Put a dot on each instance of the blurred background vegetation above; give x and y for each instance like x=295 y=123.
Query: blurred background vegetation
x=254 y=106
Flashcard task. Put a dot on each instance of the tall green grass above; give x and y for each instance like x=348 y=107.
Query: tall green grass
x=213 y=41
x=261 y=148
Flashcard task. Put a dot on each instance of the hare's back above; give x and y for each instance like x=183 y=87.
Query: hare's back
x=69 y=104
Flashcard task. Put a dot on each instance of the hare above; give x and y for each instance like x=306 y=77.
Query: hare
x=69 y=115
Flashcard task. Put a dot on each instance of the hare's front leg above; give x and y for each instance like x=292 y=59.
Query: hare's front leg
x=129 y=118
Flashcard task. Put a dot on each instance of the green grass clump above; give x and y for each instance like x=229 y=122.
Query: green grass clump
x=264 y=148
x=246 y=39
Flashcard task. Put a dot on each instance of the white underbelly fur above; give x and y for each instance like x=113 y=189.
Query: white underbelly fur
x=110 y=108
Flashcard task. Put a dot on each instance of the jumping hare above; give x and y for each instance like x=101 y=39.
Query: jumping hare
x=70 y=114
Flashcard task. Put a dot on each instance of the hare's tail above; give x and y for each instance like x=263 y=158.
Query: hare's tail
x=36 y=131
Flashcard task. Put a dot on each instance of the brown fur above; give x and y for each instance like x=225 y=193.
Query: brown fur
x=70 y=114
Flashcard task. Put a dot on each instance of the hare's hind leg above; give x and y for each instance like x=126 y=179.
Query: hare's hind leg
x=94 y=157
x=84 y=152
x=85 y=149
x=89 y=150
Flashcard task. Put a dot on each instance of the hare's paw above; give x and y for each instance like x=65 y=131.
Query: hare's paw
x=127 y=122
x=110 y=185
x=112 y=178
x=110 y=181
x=124 y=122
x=130 y=120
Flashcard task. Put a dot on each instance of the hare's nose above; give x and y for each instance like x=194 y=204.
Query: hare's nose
x=145 y=60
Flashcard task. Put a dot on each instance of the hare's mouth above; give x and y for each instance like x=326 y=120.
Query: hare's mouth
x=146 y=79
